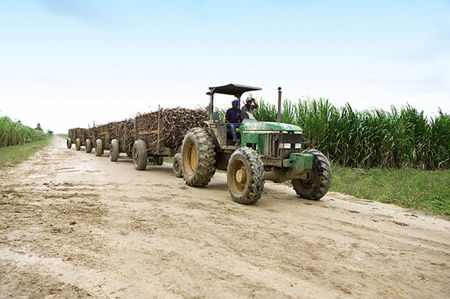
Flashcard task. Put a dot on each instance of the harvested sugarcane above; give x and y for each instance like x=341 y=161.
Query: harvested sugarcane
x=160 y=133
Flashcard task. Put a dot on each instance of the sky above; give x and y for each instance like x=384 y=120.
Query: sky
x=71 y=63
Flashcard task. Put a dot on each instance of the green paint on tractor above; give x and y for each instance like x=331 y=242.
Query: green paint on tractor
x=299 y=162
x=258 y=133
x=254 y=125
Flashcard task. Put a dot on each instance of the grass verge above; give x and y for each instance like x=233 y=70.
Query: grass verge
x=14 y=154
x=427 y=191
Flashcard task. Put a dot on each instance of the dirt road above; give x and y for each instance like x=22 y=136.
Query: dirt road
x=74 y=225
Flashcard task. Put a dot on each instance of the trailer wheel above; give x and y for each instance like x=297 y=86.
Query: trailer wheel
x=78 y=144
x=140 y=155
x=159 y=160
x=317 y=186
x=98 y=147
x=69 y=143
x=198 y=158
x=88 y=146
x=177 y=171
x=245 y=176
x=114 y=151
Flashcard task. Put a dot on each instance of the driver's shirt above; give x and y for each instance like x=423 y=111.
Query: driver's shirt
x=233 y=115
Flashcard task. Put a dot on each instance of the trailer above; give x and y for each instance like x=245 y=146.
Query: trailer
x=147 y=138
x=160 y=134
x=76 y=136
x=122 y=138
x=89 y=137
x=101 y=140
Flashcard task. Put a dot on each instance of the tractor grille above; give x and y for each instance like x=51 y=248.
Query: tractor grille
x=275 y=140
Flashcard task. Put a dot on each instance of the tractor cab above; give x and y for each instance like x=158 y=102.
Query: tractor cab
x=223 y=130
x=272 y=139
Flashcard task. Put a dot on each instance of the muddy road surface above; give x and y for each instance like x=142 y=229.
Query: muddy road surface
x=74 y=225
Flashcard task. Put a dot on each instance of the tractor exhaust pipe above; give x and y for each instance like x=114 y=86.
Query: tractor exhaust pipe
x=279 y=105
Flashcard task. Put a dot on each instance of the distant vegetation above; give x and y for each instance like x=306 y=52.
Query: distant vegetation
x=367 y=139
x=13 y=133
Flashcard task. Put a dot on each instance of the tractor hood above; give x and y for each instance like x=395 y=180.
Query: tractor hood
x=249 y=125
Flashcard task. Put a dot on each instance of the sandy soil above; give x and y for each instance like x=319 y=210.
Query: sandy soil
x=74 y=225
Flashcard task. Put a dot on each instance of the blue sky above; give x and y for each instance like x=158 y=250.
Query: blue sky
x=67 y=63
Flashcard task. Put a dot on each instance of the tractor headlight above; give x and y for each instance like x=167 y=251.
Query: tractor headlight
x=285 y=145
x=298 y=145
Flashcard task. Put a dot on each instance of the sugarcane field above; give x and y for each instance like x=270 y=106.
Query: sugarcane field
x=224 y=149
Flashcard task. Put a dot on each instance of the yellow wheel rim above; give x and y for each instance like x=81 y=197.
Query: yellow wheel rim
x=239 y=176
x=190 y=157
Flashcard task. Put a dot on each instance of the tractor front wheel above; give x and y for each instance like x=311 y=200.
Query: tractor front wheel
x=69 y=143
x=245 y=176
x=98 y=147
x=177 y=171
x=198 y=158
x=78 y=144
x=88 y=146
x=114 y=152
x=319 y=182
x=140 y=156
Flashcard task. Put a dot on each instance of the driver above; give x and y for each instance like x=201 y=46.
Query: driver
x=248 y=107
x=233 y=118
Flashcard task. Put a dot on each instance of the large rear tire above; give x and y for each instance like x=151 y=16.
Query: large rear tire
x=140 y=156
x=198 y=158
x=245 y=176
x=88 y=146
x=177 y=171
x=98 y=147
x=318 y=184
x=114 y=151
x=78 y=144
x=69 y=143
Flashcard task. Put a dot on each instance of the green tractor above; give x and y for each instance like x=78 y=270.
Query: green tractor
x=267 y=151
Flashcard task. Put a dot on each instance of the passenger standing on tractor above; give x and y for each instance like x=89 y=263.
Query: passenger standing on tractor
x=248 y=108
x=233 y=118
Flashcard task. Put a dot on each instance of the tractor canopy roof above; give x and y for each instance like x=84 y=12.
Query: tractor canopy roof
x=254 y=125
x=231 y=89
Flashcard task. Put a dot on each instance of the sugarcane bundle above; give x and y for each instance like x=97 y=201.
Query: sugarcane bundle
x=127 y=135
x=80 y=133
x=123 y=131
x=173 y=125
x=103 y=134
x=115 y=129
x=91 y=133
x=72 y=135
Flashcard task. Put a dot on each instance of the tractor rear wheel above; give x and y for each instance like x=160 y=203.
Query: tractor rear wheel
x=318 y=184
x=140 y=157
x=177 y=171
x=114 y=151
x=69 y=143
x=198 y=158
x=88 y=146
x=78 y=144
x=245 y=176
x=98 y=147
